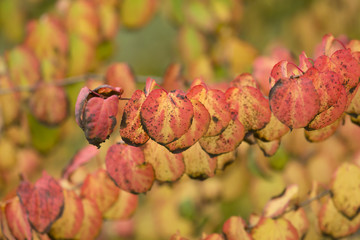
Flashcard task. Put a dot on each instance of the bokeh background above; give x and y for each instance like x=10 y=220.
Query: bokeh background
x=212 y=39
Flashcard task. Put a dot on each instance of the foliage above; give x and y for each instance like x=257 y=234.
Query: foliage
x=244 y=138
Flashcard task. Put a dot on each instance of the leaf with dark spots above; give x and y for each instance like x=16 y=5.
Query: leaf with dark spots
x=165 y=117
x=245 y=79
x=329 y=116
x=80 y=158
x=249 y=106
x=215 y=102
x=43 y=202
x=198 y=164
x=49 y=104
x=198 y=128
x=131 y=130
x=127 y=168
x=225 y=142
x=327 y=85
x=294 y=101
x=168 y=166
x=322 y=133
x=100 y=118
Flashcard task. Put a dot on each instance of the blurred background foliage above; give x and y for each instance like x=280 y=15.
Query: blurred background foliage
x=213 y=39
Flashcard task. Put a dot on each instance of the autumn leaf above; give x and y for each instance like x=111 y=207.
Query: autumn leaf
x=81 y=157
x=173 y=78
x=277 y=205
x=68 y=225
x=127 y=167
x=131 y=130
x=234 y=229
x=335 y=224
x=268 y=148
x=100 y=189
x=213 y=236
x=49 y=104
x=299 y=220
x=345 y=189
x=198 y=164
x=99 y=119
x=123 y=208
x=198 y=128
x=249 y=106
x=135 y=14
x=121 y=75
x=272 y=131
x=322 y=133
x=244 y=79
x=168 y=166
x=294 y=101
x=43 y=202
x=227 y=141
x=17 y=220
x=165 y=116
x=92 y=221
x=215 y=102
x=276 y=229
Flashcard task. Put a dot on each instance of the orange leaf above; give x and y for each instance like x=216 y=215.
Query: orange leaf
x=168 y=167
x=268 y=148
x=346 y=189
x=17 y=219
x=166 y=116
x=68 y=225
x=131 y=129
x=277 y=205
x=322 y=133
x=92 y=221
x=101 y=189
x=127 y=167
x=215 y=102
x=250 y=106
x=234 y=229
x=198 y=164
x=294 y=101
x=123 y=208
x=121 y=75
x=335 y=224
x=275 y=229
x=299 y=220
x=272 y=131
x=242 y=80
x=198 y=128
x=227 y=141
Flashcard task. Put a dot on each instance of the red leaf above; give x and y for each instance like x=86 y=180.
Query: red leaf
x=68 y=225
x=245 y=79
x=127 y=167
x=227 y=141
x=168 y=167
x=80 y=105
x=92 y=221
x=198 y=128
x=121 y=75
x=294 y=101
x=81 y=157
x=43 y=202
x=166 y=116
x=215 y=102
x=249 y=106
x=17 y=219
x=100 y=189
x=172 y=77
x=131 y=129
x=100 y=119
x=49 y=104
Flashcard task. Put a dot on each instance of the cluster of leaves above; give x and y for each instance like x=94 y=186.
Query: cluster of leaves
x=60 y=209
